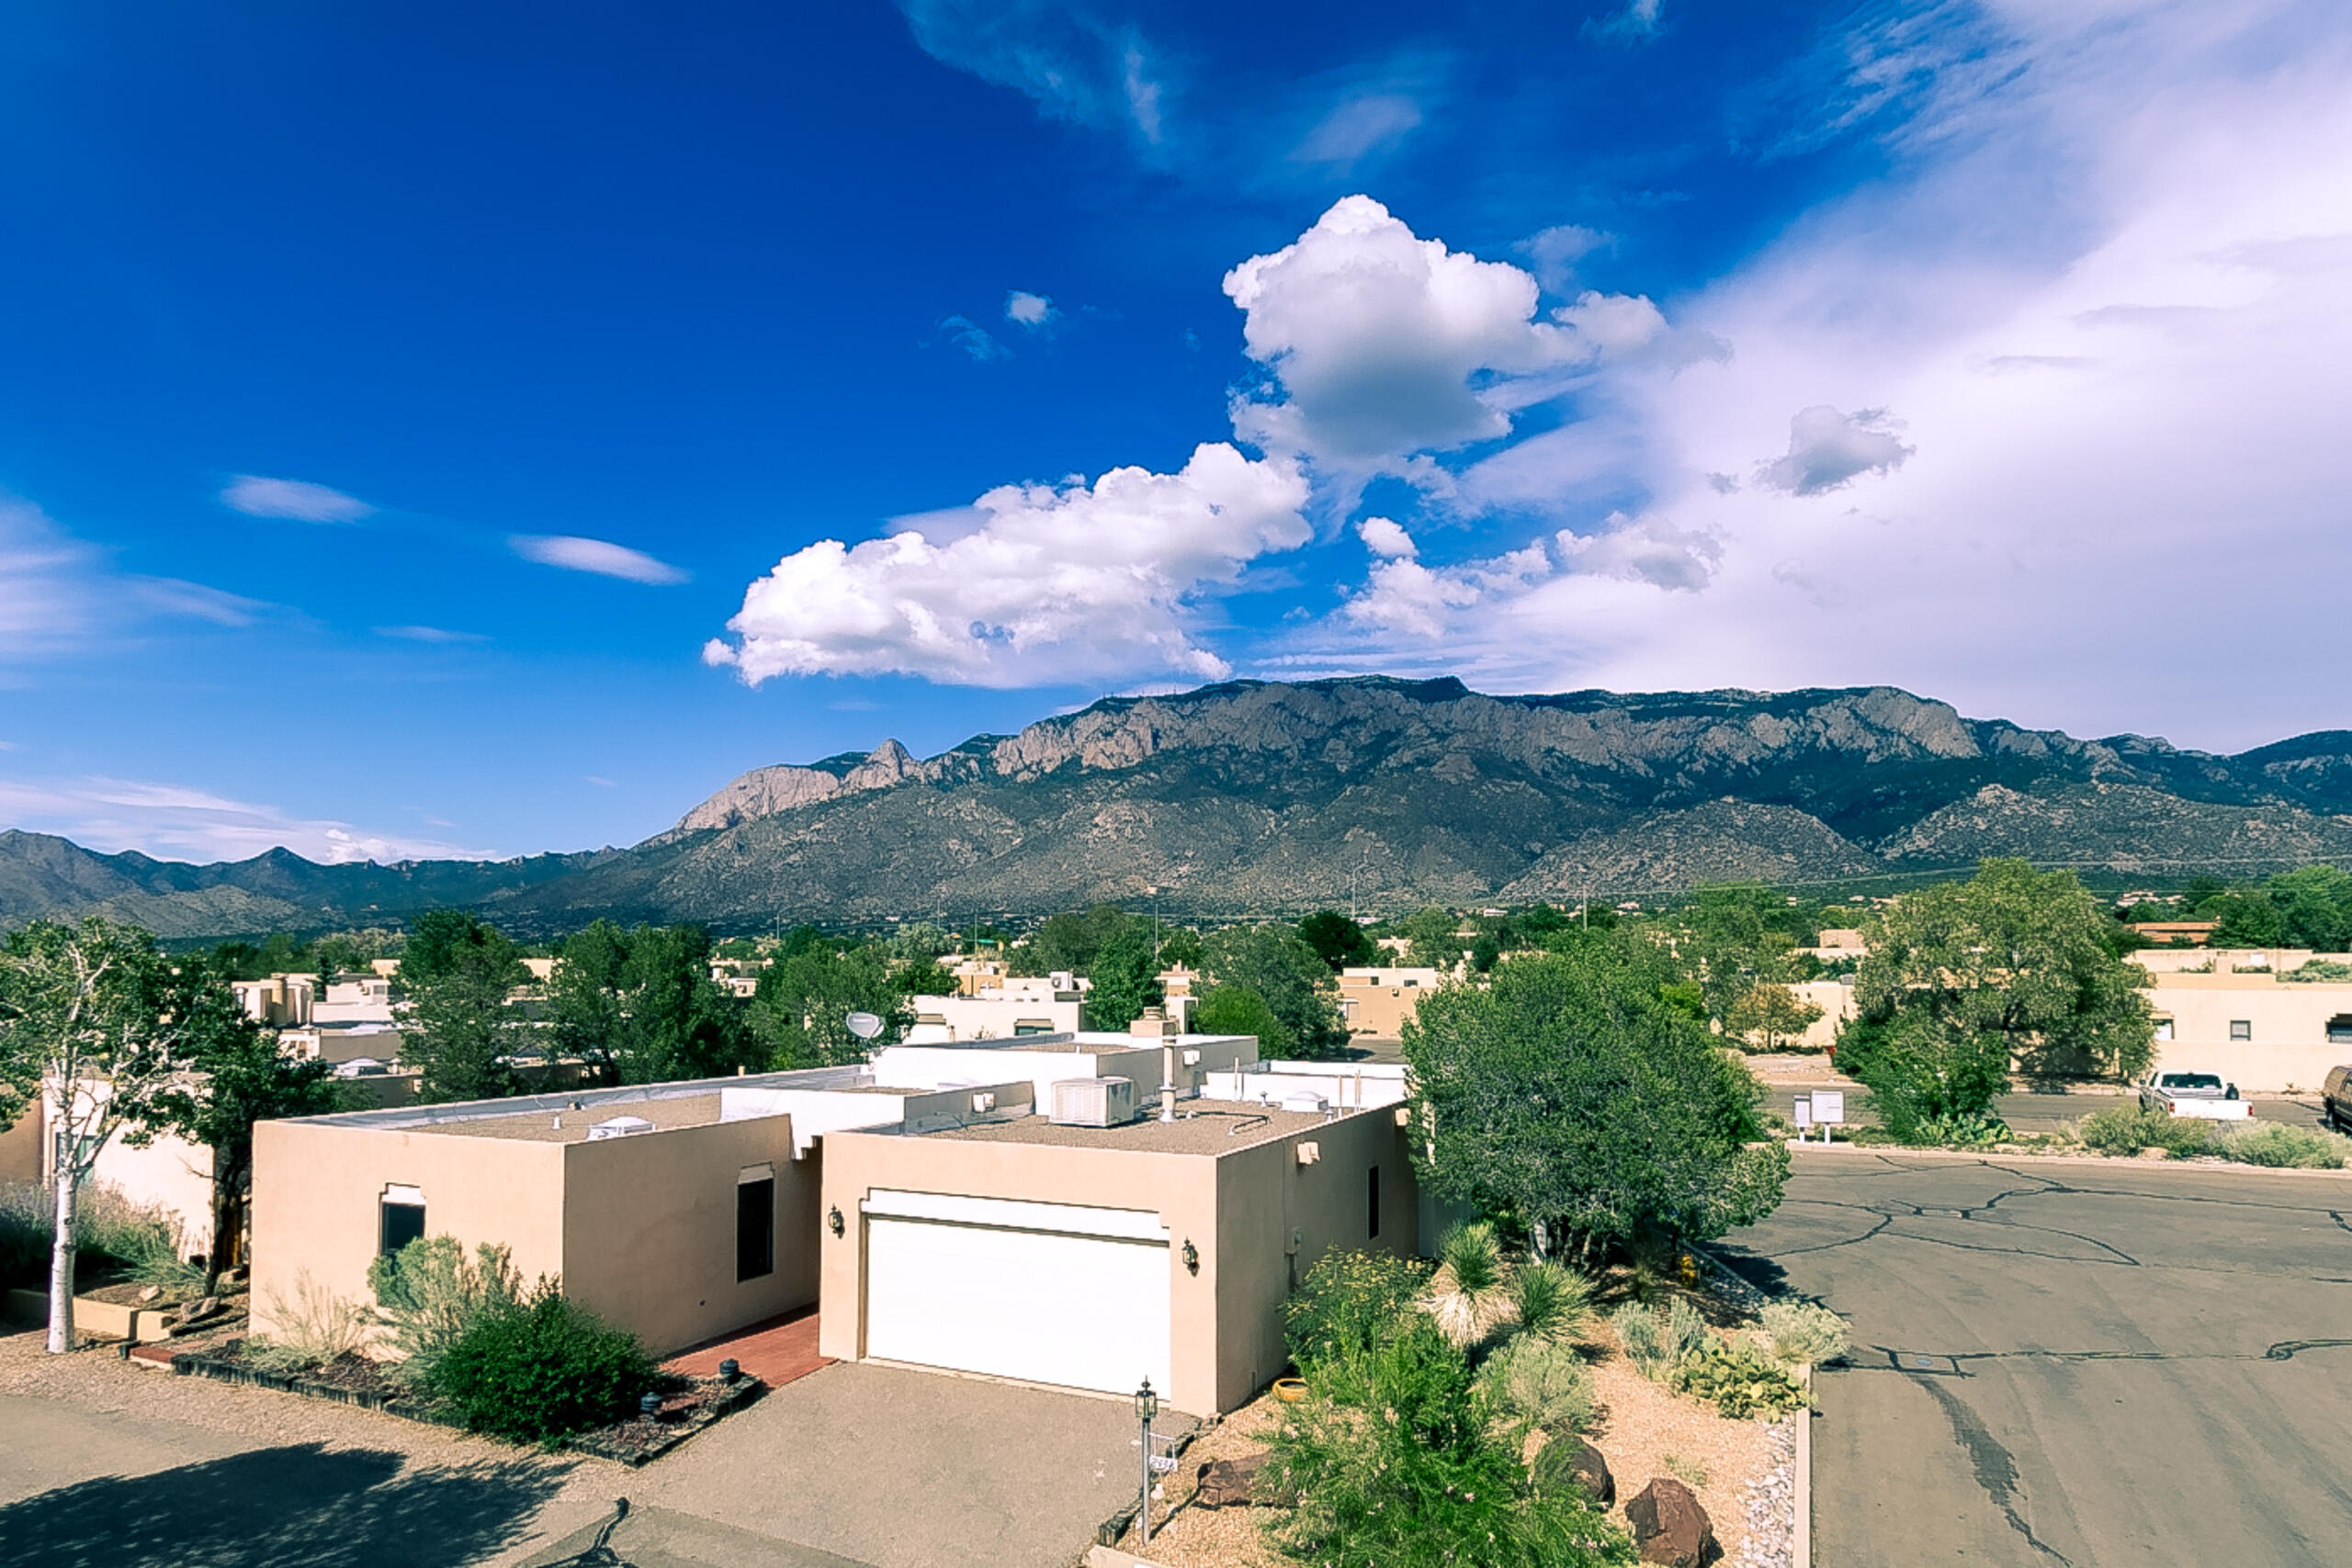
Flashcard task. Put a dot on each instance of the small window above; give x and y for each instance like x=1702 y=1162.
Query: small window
x=399 y=1219
x=2163 y=1029
x=2339 y=1029
x=754 y=1228
x=2241 y=1028
x=1372 y=1206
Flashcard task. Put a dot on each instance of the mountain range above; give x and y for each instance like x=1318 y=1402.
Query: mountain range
x=1270 y=797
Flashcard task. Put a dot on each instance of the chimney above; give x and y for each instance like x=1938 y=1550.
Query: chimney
x=1153 y=1025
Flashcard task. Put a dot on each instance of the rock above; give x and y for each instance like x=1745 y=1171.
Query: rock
x=1226 y=1482
x=204 y=1308
x=1571 y=1462
x=1669 y=1525
x=152 y=1293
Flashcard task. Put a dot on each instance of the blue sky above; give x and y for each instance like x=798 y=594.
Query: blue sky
x=428 y=429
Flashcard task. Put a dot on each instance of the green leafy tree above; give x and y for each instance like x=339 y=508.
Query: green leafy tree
x=95 y=1013
x=928 y=977
x=1435 y=935
x=678 y=1022
x=1290 y=976
x=1570 y=1093
x=1126 y=979
x=1070 y=941
x=237 y=1075
x=1236 y=1010
x=799 y=1012
x=2315 y=906
x=458 y=1024
x=1341 y=943
x=1733 y=940
x=1962 y=979
x=1180 y=946
x=1770 y=1016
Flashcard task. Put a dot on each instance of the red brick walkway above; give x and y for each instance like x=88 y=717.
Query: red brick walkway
x=774 y=1351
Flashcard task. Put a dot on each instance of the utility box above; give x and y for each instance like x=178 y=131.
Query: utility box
x=1095 y=1103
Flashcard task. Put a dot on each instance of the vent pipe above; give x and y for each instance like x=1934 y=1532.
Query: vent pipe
x=1166 y=1080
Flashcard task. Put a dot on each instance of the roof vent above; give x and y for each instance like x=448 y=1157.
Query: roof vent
x=1095 y=1103
x=1305 y=1104
x=619 y=1127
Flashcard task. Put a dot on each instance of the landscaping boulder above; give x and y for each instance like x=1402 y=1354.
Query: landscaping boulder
x=1669 y=1525
x=1226 y=1482
x=1592 y=1470
x=152 y=1293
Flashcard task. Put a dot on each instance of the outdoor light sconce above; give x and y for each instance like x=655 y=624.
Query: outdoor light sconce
x=833 y=1220
x=1191 y=1258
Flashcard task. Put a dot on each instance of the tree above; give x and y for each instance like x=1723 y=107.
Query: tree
x=1773 y=1011
x=1070 y=941
x=1339 y=940
x=1126 y=979
x=1179 y=948
x=1965 y=979
x=928 y=977
x=238 y=1075
x=1733 y=940
x=641 y=1007
x=1236 y=1010
x=1570 y=1093
x=91 y=1013
x=1290 y=976
x=2315 y=905
x=799 y=1013
x=1435 y=936
x=458 y=1024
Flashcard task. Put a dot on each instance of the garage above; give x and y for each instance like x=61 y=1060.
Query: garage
x=1047 y=1292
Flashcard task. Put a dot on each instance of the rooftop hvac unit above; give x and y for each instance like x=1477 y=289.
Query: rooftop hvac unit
x=1309 y=1104
x=619 y=1127
x=1095 y=1103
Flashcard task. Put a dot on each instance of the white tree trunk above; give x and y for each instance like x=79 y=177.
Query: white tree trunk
x=60 y=1266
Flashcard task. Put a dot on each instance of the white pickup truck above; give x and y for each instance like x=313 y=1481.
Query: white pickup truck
x=2194 y=1094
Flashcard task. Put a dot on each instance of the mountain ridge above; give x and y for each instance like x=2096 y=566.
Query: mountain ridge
x=1266 y=796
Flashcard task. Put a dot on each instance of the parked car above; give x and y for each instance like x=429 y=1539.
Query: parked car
x=2193 y=1094
x=2336 y=1098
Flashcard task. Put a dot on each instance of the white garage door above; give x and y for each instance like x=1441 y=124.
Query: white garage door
x=1047 y=1292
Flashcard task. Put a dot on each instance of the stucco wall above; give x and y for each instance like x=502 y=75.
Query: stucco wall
x=20 y=1147
x=317 y=1186
x=648 y=1229
x=2289 y=1049
x=1238 y=1209
x=170 y=1174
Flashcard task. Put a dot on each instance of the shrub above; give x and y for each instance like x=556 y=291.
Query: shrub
x=150 y=1255
x=24 y=1233
x=1533 y=1383
x=1962 y=1130
x=1689 y=1472
x=1737 y=1378
x=429 y=1295
x=1349 y=1303
x=1470 y=1293
x=312 y=1329
x=1684 y=1330
x=2285 y=1147
x=1552 y=1302
x=541 y=1369
x=1655 y=1342
x=1395 y=1464
x=2126 y=1129
x=1802 y=1334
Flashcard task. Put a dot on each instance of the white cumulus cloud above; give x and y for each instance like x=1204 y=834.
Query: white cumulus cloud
x=1827 y=449
x=1055 y=584
x=598 y=556
x=1028 y=310
x=297 y=500
x=1386 y=537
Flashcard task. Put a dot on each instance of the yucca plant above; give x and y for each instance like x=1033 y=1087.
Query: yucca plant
x=1552 y=1302
x=1470 y=1293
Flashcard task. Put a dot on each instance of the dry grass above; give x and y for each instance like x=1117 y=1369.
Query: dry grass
x=1638 y=1425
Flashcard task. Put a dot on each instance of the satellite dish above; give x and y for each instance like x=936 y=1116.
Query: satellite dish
x=865 y=1025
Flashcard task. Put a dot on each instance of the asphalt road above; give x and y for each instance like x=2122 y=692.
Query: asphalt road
x=2077 y=1365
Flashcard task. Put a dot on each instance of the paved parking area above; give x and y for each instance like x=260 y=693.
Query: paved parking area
x=2041 y=1112
x=2074 y=1364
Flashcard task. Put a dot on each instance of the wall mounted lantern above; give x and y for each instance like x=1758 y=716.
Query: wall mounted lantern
x=1191 y=1258
x=833 y=1220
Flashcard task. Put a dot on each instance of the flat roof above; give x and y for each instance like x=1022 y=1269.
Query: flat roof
x=1197 y=1130
x=591 y=1104
x=572 y=1126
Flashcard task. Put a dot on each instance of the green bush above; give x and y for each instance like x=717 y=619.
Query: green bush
x=1535 y=1385
x=1964 y=1130
x=2286 y=1148
x=1554 y=1473
x=2126 y=1129
x=430 y=1296
x=1802 y=1334
x=1552 y=1302
x=1737 y=1379
x=1470 y=1293
x=310 y=1329
x=1349 y=1303
x=1395 y=1462
x=542 y=1369
x=1655 y=1342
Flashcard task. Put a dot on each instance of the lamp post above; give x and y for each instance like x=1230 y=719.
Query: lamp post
x=1146 y=1406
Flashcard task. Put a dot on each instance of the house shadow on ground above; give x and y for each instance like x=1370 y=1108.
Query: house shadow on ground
x=300 y=1507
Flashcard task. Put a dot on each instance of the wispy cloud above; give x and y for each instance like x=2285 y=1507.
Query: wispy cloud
x=601 y=557
x=429 y=633
x=1027 y=309
x=62 y=596
x=973 y=338
x=1073 y=64
x=298 y=500
x=175 y=821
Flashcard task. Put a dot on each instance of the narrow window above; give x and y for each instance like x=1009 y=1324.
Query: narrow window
x=1371 y=1205
x=399 y=1218
x=2241 y=1028
x=2163 y=1029
x=756 y=1226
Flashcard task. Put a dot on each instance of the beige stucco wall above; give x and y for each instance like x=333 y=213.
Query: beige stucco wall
x=648 y=1229
x=21 y=1146
x=171 y=1175
x=2289 y=1049
x=1378 y=1001
x=1238 y=1209
x=317 y=1186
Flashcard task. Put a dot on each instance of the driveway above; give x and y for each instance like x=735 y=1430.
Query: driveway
x=2042 y=1112
x=2074 y=1364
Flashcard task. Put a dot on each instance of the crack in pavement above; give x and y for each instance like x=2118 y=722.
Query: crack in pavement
x=2282 y=1350
x=1912 y=1211
x=1994 y=1467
